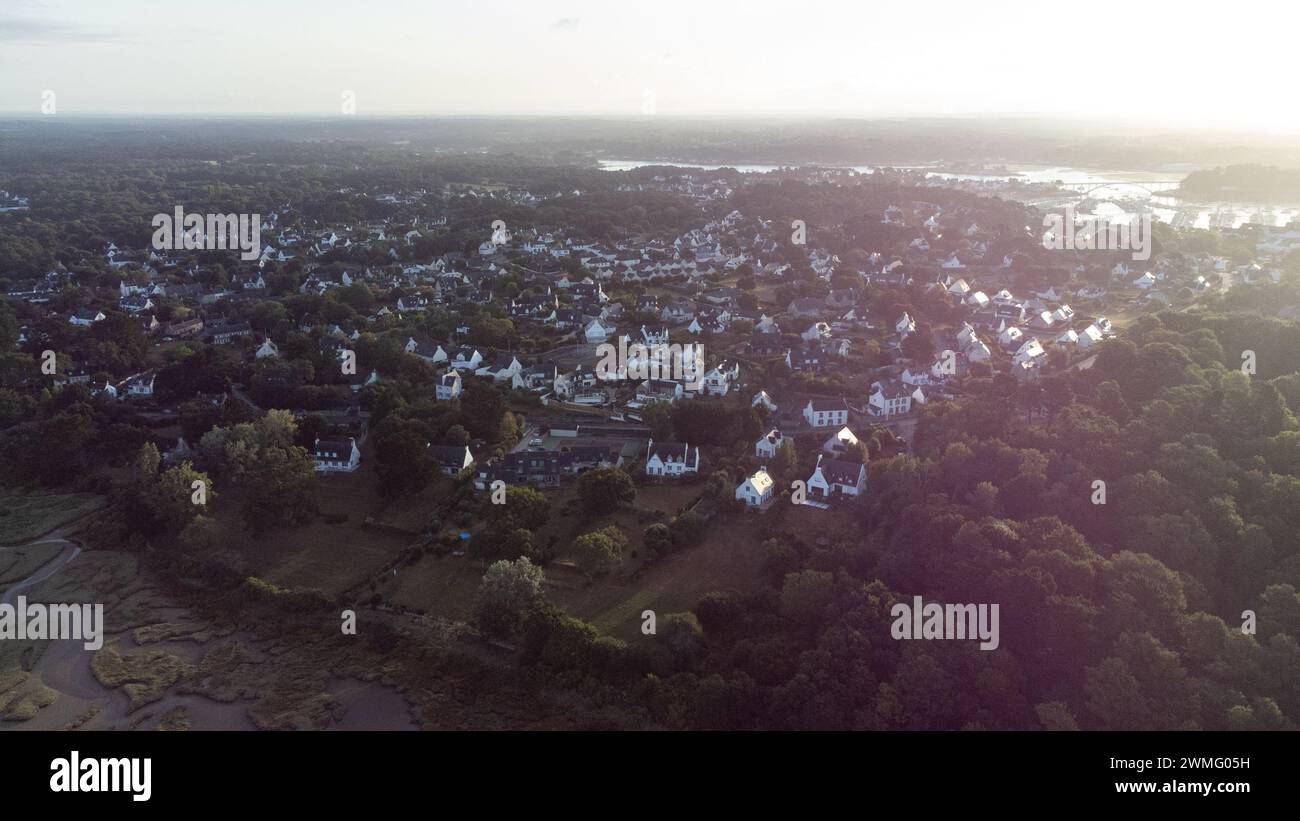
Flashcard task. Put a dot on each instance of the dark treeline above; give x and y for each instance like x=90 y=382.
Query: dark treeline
x=1123 y=614
x=1243 y=182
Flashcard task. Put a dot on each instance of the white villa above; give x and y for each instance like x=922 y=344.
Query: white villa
x=671 y=459
x=756 y=491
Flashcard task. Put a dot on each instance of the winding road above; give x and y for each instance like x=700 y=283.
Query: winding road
x=70 y=551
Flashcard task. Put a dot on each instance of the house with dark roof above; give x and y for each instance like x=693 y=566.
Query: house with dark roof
x=833 y=478
x=448 y=387
x=813 y=359
x=503 y=368
x=336 y=455
x=671 y=458
x=659 y=390
x=84 y=318
x=826 y=413
x=465 y=358
x=542 y=468
x=768 y=444
x=451 y=459
x=889 y=397
x=139 y=385
x=425 y=348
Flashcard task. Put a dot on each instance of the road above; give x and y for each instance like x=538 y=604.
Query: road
x=70 y=551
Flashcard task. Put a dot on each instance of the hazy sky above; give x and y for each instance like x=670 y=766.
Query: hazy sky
x=1220 y=66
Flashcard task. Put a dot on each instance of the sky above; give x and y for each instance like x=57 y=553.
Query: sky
x=1219 y=66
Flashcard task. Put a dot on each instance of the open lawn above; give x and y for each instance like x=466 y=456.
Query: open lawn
x=442 y=586
x=338 y=557
x=729 y=558
x=24 y=517
x=447 y=586
x=334 y=557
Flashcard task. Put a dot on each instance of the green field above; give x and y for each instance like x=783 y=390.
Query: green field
x=25 y=517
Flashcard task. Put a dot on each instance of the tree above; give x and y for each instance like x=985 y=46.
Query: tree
x=805 y=594
x=687 y=528
x=509 y=591
x=502 y=541
x=600 y=551
x=658 y=417
x=66 y=441
x=605 y=489
x=919 y=346
x=682 y=635
x=482 y=410
x=279 y=489
x=402 y=460
x=527 y=507
x=172 y=497
x=658 y=540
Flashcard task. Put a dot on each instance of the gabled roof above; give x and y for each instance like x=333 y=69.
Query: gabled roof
x=670 y=451
x=761 y=481
x=828 y=405
x=449 y=455
x=839 y=472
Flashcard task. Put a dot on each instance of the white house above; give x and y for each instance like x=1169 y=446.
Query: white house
x=451 y=459
x=1029 y=352
x=671 y=459
x=84 y=318
x=905 y=325
x=718 y=380
x=1090 y=336
x=654 y=335
x=765 y=399
x=659 y=390
x=336 y=455
x=817 y=332
x=466 y=359
x=839 y=443
x=426 y=350
x=597 y=332
x=833 y=477
x=267 y=350
x=409 y=304
x=449 y=386
x=1010 y=337
x=756 y=490
x=140 y=384
x=889 y=398
x=767 y=445
x=503 y=369
x=826 y=413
